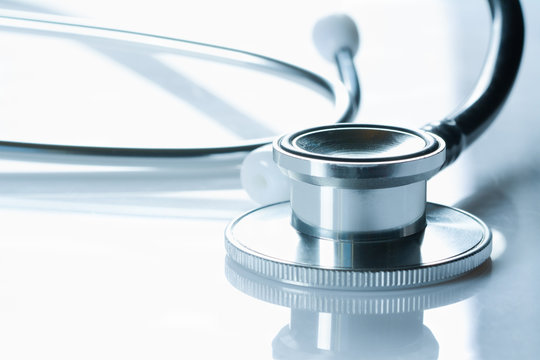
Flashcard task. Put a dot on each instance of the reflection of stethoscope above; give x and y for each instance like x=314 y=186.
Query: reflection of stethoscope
x=334 y=324
x=359 y=214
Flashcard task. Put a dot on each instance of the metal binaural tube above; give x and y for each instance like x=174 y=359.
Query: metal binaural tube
x=57 y=26
x=349 y=77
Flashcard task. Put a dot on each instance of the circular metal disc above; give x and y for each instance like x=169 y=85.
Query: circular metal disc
x=359 y=143
x=453 y=243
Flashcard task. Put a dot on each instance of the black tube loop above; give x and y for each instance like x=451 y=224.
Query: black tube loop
x=468 y=121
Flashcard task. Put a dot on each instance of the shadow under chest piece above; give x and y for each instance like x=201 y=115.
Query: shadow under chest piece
x=358 y=216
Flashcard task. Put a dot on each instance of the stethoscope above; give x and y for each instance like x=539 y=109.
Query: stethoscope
x=351 y=211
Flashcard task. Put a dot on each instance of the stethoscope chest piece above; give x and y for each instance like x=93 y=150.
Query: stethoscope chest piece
x=358 y=216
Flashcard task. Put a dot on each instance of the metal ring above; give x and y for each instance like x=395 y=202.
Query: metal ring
x=453 y=243
x=302 y=142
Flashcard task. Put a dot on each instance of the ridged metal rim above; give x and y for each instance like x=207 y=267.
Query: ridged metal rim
x=288 y=143
x=371 y=173
x=394 y=278
x=348 y=302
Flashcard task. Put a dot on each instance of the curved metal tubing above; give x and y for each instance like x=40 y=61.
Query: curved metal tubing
x=336 y=91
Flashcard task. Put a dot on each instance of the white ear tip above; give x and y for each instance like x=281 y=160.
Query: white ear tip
x=334 y=33
x=262 y=179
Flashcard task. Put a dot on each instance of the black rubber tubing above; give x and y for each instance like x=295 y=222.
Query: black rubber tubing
x=468 y=121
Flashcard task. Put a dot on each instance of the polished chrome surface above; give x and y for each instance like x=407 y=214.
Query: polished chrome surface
x=357 y=143
x=453 y=243
x=352 y=181
x=342 y=213
x=354 y=155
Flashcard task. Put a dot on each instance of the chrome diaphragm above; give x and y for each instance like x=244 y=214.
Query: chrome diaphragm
x=358 y=216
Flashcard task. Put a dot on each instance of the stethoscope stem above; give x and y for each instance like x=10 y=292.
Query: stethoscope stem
x=349 y=77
